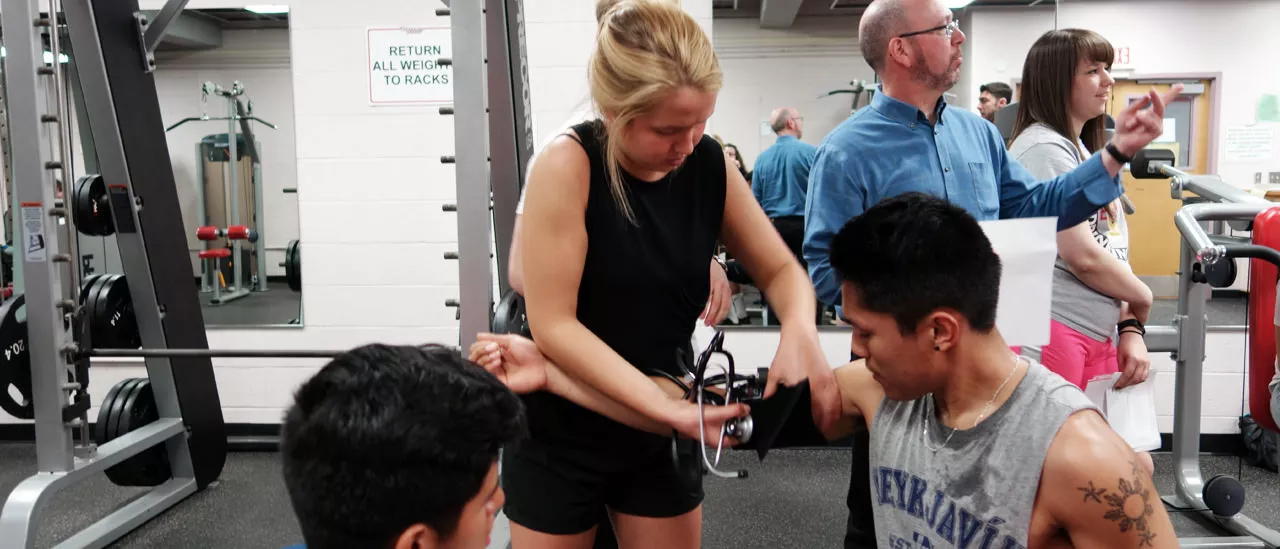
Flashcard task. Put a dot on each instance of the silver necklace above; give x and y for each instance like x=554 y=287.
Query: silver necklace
x=983 y=414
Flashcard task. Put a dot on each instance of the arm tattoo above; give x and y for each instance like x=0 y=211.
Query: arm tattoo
x=1129 y=506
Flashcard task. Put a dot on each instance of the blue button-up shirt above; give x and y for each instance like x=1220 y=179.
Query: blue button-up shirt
x=780 y=178
x=890 y=149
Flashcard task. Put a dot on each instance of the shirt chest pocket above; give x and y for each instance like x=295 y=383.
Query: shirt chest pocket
x=986 y=190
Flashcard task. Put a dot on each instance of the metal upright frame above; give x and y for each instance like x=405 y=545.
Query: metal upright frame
x=115 y=76
x=491 y=83
x=1185 y=339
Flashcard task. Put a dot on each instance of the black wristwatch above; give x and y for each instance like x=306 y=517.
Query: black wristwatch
x=1131 y=323
x=1115 y=153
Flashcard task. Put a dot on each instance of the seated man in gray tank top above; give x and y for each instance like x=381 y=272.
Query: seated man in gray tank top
x=971 y=445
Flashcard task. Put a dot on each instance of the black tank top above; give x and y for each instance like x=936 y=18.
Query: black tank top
x=643 y=284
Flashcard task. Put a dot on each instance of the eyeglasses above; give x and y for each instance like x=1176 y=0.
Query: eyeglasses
x=947 y=30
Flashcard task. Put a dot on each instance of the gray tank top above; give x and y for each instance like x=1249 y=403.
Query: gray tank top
x=977 y=492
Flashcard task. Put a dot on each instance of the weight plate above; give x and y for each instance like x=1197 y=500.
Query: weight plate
x=509 y=315
x=122 y=473
x=90 y=207
x=89 y=304
x=15 y=362
x=100 y=428
x=293 y=265
x=151 y=466
x=86 y=284
x=113 y=323
x=115 y=408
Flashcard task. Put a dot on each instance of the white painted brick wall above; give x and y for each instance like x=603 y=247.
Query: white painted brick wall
x=769 y=68
x=560 y=35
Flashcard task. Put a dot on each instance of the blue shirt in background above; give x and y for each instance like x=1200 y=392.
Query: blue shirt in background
x=780 y=177
x=889 y=148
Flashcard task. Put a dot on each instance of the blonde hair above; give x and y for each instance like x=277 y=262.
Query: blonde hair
x=645 y=49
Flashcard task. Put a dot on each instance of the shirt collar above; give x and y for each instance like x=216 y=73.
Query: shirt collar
x=901 y=112
x=785 y=137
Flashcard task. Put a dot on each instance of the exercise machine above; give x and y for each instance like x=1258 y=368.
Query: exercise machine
x=229 y=190
x=1205 y=261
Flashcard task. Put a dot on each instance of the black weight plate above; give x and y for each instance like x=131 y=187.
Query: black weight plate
x=150 y=466
x=122 y=474
x=509 y=316
x=89 y=304
x=15 y=361
x=293 y=265
x=86 y=284
x=1224 y=496
x=114 y=325
x=100 y=428
x=90 y=207
x=115 y=408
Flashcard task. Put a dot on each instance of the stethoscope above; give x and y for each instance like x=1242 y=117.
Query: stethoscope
x=702 y=391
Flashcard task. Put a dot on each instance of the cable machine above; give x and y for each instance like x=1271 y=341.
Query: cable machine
x=225 y=192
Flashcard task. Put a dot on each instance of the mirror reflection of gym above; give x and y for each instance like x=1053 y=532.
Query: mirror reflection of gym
x=226 y=97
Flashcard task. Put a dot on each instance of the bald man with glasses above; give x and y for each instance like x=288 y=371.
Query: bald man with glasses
x=909 y=140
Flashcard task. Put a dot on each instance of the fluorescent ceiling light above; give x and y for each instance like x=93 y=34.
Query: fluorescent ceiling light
x=956 y=4
x=267 y=9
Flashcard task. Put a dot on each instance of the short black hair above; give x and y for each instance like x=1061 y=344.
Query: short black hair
x=384 y=437
x=913 y=254
x=997 y=90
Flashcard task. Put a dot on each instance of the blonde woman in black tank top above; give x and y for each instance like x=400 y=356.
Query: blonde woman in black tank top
x=621 y=218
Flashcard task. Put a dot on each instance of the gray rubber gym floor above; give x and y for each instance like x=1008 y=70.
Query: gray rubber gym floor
x=278 y=305
x=793 y=500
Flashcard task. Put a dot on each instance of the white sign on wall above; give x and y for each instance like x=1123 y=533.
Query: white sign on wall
x=404 y=65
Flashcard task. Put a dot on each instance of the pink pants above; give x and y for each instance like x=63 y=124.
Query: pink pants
x=1077 y=357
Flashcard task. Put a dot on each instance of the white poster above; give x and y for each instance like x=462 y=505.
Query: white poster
x=1250 y=143
x=404 y=66
x=1027 y=250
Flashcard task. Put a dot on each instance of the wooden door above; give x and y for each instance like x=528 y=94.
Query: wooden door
x=1153 y=239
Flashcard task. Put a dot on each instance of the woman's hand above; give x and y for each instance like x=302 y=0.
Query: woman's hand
x=1131 y=351
x=720 y=298
x=800 y=356
x=514 y=359
x=684 y=419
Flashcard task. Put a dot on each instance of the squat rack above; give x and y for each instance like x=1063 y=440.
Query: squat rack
x=114 y=44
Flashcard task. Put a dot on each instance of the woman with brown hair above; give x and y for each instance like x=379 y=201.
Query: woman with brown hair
x=1099 y=306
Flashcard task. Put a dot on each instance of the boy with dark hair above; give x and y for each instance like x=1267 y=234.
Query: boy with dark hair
x=971 y=445
x=397 y=447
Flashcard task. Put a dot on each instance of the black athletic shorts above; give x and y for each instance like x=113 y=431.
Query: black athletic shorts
x=563 y=491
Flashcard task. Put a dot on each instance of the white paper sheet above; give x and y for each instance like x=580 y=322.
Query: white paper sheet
x=1130 y=411
x=1027 y=249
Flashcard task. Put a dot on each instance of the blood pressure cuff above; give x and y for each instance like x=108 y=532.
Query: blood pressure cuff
x=783 y=420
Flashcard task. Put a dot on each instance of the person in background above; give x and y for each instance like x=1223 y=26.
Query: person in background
x=1061 y=122
x=781 y=180
x=910 y=140
x=992 y=97
x=1275 y=381
x=731 y=151
x=396 y=447
x=718 y=301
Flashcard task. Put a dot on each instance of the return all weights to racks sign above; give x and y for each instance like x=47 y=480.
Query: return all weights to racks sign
x=404 y=67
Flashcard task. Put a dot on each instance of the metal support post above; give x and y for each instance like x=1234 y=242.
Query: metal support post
x=39 y=248
x=510 y=120
x=259 y=271
x=472 y=172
